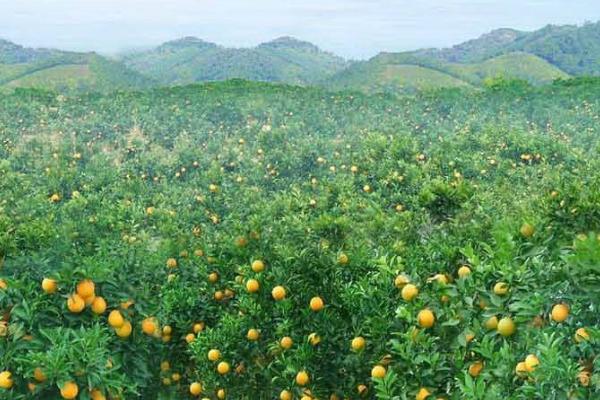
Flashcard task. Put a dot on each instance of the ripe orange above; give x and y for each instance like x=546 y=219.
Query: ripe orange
x=285 y=395
x=198 y=327
x=560 y=312
x=75 y=303
x=506 y=327
x=278 y=293
x=167 y=330
x=302 y=378
x=521 y=369
x=422 y=394
x=86 y=288
x=475 y=368
x=213 y=277
x=115 y=319
x=171 y=263
x=195 y=388
x=190 y=337
x=39 y=375
x=358 y=343
x=69 y=390
x=214 y=355
x=258 y=266
x=286 y=342
x=221 y=394
x=316 y=304
x=124 y=330
x=464 y=271
x=49 y=286
x=401 y=280
x=98 y=305
x=361 y=389
x=96 y=394
x=409 y=292
x=149 y=326
x=314 y=339
x=253 y=335
x=252 y=286
x=378 y=372
x=581 y=335
x=425 y=318
x=531 y=363
x=6 y=381
x=223 y=368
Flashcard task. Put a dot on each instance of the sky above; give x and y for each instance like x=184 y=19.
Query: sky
x=351 y=28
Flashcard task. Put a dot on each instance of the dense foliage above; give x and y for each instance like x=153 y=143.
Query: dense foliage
x=154 y=208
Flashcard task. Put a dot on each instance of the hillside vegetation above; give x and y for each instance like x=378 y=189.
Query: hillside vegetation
x=243 y=240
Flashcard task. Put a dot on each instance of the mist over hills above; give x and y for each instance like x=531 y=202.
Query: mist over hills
x=553 y=52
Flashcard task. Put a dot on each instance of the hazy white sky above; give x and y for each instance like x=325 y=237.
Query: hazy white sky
x=352 y=28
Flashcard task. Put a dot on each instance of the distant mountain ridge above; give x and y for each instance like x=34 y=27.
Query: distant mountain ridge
x=552 y=52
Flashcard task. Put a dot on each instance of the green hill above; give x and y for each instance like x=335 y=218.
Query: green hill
x=193 y=60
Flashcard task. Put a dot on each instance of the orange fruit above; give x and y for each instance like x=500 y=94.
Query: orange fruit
x=425 y=318
x=171 y=263
x=98 y=305
x=6 y=381
x=286 y=342
x=214 y=355
x=506 y=327
x=560 y=312
x=75 y=303
x=521 y=369
x=302 y=378
x=252 y=286
x=96 y=394
x=195 y=388
x=149 y=326
x=49 y=286
x=223 y=368
x=69 y=390
x=221 y=394
x=464 y=271
x=527 y=230
x=581 y=335
x=314 y=339
x=165 y=366
x=278 y=293
x=500 y=288
x=190 y=337
x=253 y=335
x=285 y=395
x=316 y=304
x=475 y=368
x=422 y=394
x=124 y=330
x=167 y=330
x=358 y=343
x=343 y=259
x=86 y=288
x=213 y=277
x=401 y=280
x=258 y=266
x=409 y=292
x=115 y=319
x=39 y=375
x=531 y=363
x=378 y=372
x=198 y=327
x=491 y=323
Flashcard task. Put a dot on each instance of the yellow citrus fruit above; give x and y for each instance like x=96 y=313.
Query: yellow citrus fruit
x=124 y=330
x=149 y=326
x=214 y=355
x=464 y=271
x=253 y=335
x=213 y=277
x=258 y=266
x=115 y=319
x=171 y=263
x=343 y=259
x=86 y=288
x=560 y=312
x=252 y=286
x=195 y=388
x=584 y=378
x=500 y=288
x=176 y=377
x=39 y=375
x=401 y=280
x=221 y=394
x=527 y=230
x=223 y=368
x=491 y=323
x=278 y=293
x=422 y=394
x=358 y=343
x=285 y=395
x=521 y=369
x=6 y=381
x=302 y=378
x=75 y=303
x=314 y=339
x=581 y=335
x=531 y=363
x=425 y=318
x=190 y=337
x=167 y=330
x=69 y=390
x=98 y=305
x=286 y=342
x=506 y=327
x=96 y=394
x=409 y=292
x=49 y=285
x=316 y=304
x=198 y=327
x=165 y=366
x=89 y=300
x=378 y=372
x=361 y=389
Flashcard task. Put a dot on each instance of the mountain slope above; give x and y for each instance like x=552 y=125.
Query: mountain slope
x=64 y=71
x=193 y=60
